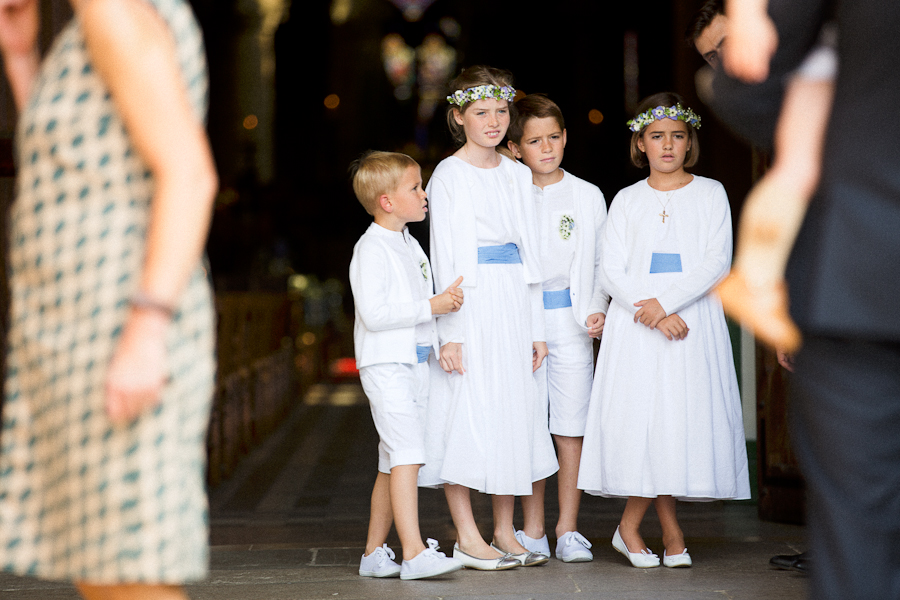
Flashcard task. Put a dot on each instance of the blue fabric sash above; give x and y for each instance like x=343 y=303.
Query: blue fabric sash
x=507 y=254
x=422 y=352
x=557 y=299
x=665 y=263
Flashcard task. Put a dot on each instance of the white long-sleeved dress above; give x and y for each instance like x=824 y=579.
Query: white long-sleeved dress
x=483 y=429
x=665 y=416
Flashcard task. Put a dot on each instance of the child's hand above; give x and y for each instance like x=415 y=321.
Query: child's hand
x=750 y=41
x=451 y=357
x=450 y=301
x=650 y=313
x=673 y=327
x=538 y=354
x=595 y=324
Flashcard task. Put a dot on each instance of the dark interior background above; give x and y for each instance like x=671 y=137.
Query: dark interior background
x=286 y=206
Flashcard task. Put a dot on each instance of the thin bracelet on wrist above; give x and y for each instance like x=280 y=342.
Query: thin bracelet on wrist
x=144 y=301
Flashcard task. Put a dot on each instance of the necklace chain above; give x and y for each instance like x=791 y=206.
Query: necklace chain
x=669 y=195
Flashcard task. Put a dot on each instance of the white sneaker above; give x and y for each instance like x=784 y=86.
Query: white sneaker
x=429 y=563
x=573 y=547
x=379 y=564
x=541 y=546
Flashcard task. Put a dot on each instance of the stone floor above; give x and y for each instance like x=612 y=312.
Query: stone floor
x=291 y=524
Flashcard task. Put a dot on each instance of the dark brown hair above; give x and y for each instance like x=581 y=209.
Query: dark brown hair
x=532 y=106
x=638 y=158
x=709 y=11
x=472 y=77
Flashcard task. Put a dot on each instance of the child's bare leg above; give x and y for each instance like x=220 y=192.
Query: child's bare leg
x=405 y=503
x=568 y=450
x=380 y=515
x=755 y=292
x=467 y=535
x=504 y=531
x=673 y=538
x=629 y=526
x=533 y=510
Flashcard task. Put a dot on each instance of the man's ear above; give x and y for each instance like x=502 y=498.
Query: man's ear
x=385 y=203
x=564 y=139
x=514 y=148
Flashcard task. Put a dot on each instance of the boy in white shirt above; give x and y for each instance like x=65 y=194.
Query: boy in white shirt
x=393 y=336
x=571 y=214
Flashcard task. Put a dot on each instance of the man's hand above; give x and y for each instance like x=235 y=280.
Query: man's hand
x=785 y=360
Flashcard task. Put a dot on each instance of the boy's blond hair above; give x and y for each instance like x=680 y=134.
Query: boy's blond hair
x=376 y=173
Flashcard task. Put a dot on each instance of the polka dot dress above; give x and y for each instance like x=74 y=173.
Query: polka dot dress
x=81 y=499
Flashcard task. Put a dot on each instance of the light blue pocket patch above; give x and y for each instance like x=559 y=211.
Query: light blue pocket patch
x=665 y=263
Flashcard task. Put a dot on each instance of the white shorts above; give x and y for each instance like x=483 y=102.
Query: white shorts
x=564 y=380
x=398 y=395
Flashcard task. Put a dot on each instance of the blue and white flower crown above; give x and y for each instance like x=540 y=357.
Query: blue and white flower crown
x=480 y=92
x=676 y=113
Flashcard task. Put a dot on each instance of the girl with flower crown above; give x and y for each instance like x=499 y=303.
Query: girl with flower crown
x=664 y=422
x=484 y=430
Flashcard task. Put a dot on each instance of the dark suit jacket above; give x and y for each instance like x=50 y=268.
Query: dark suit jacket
x=844 y=272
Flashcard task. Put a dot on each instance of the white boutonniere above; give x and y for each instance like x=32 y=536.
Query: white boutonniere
x=424 y=266
x=566 y=227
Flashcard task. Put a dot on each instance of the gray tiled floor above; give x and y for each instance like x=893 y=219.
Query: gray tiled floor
x=292 y=523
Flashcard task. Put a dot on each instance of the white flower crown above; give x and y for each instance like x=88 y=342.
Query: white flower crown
x=480 y=92
x=676 y=113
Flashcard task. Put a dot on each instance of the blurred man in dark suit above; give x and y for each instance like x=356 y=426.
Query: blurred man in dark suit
x=844 y=287
x=706 y=34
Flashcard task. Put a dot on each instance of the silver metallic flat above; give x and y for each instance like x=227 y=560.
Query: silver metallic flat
x=528 y=559
x=501 y=563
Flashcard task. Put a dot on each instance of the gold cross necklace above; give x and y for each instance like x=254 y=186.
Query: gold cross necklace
x=669 y=196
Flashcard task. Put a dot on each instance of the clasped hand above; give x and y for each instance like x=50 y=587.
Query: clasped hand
x=653 y=315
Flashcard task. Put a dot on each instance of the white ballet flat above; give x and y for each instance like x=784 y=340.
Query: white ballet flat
x=677 y=560
x=642 y=560
x=501 y=563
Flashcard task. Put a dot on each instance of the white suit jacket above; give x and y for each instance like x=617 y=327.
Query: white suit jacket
x=588 y=296
x=387 y=309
